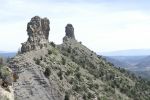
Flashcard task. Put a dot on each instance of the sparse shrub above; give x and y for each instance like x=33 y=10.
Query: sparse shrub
x=77 y=69
x=60 y=74
x=110 y=64
x=99 y=56
x=49 y=52
x=63 y=61
x=90 y=95
x=47 y=72
x=96 y=86
x=99 y=98
x=41 y=58
x=68 y=72
x=91 y=85
x=71 y=81
x=122 y=70
x=73 y=58
x=109 y=89
x=76 y=88
x=83 y=63
x=103 y=98
x=54 y=51
x=78 y=75
x=15 y=77
x=65 y=54
x=53 y=44
x=85 y=97
x=67 y=96
x=37 y=61
x=69 y=50
x=84 y=88
x=6 y=76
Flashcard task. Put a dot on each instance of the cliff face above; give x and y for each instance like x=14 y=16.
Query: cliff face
x=69 y=71
x=38 y=32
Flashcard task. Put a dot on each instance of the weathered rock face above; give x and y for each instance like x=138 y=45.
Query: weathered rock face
x=38 y=32
x=69 y=31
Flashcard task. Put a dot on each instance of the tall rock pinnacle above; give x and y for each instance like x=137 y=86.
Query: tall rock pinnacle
x=38 y=32
x=69 y=31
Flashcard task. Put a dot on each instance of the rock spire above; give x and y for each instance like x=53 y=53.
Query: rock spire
x=69 y=31
x=38 y=32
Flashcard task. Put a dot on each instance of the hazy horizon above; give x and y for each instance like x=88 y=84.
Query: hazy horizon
x=100 y=25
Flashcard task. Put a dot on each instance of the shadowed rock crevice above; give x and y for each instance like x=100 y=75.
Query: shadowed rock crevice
x=38 y=32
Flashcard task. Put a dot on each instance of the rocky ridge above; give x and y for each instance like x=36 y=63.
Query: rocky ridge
x=69 y=71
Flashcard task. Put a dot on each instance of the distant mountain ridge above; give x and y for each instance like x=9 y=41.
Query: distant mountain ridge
x=118 y=63
x=137 y=64
x=130 y=52
x=7 y=54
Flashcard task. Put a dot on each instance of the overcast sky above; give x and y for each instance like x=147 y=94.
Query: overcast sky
x=101 y=25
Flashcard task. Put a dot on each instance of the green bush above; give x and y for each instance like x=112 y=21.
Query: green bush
x=67 y=96
x=53 y=44
x=47 y=72
x=6 y=75
x=49 y=52
x=69 y=50
x=78 y=75
x=90 y=95
x=37 y=61
x=69 y=72
x=60 y=74
x=85 y=97
x=63 y=61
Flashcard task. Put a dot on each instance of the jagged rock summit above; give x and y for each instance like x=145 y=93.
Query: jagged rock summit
x=38 y=32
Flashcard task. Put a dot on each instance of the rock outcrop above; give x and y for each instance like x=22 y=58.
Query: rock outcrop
x=38 y=32
x=69 y=30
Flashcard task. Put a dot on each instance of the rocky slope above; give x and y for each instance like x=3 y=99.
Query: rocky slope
x=69 y=71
